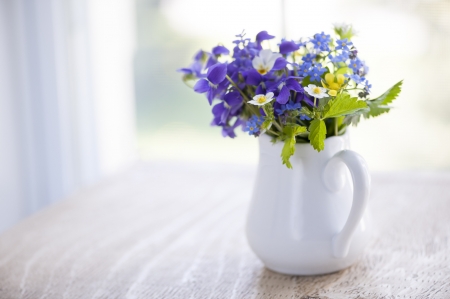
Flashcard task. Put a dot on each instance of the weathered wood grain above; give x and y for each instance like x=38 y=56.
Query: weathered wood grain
x=176 y=231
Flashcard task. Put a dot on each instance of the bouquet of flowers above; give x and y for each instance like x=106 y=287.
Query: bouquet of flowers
x=306 y=91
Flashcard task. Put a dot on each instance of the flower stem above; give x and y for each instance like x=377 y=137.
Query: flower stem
x=336 y=126
x=243 y=95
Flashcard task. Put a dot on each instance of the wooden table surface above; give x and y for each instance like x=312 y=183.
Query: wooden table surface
x=177 y=231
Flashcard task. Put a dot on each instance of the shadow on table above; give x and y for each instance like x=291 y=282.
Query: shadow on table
x=271 y=283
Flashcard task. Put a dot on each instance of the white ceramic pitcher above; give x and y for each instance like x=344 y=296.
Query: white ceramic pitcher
x=311 y=219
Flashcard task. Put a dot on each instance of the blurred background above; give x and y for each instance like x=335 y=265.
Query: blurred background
x=89 y=87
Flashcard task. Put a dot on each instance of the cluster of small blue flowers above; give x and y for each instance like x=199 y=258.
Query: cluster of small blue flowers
x=252 y=71
x=253 y=125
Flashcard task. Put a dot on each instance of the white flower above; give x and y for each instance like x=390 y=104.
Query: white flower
x=316 y=91
x=265 y=61
x=260 y=99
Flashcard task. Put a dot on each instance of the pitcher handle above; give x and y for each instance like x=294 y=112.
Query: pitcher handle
x=361 y=186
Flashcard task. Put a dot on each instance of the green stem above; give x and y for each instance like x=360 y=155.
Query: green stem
x=251 y=107
x=273 y=132
x=277 y=126
x=336 y=126
x=238 y=89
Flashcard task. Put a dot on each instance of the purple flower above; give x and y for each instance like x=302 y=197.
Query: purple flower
x=285 y=87
x=226 y=109
x=252 y=77
x=228 y=131
x=301 y=96
x=262 y=36
x=212 y=84
x=287 y=47
x=220 y=50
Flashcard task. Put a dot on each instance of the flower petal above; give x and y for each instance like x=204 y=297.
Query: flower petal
x=210 y=94
x=265 y=55
x=292 y=84
x=283 y=96
x=263 y=35
x=220 y=50
x=279 y=64
x=201 y=86
x=260 y=90
x=253 y=77
x=287 y=47
x=257 y=62
x=216 y=73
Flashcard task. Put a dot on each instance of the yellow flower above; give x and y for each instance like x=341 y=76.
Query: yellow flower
x=333 y=83
x=332 y=92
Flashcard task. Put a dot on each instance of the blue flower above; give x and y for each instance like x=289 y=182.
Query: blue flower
x=344 y=56
x=367 y=86
x=316 y=72
x=355 y=78
x=322 y=37
x=308 y=58
x=343 y=44
x=253 y=125
x=320 y=41
x=293 y=106
x=304 y=69
x=355 y=65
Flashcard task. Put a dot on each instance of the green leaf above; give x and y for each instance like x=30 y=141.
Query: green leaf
x=317 y=133
x=352 y=119
x=343 y=104
x=390 y=95
x=343 y=71
x=379 y=106
x=268 y=120
x=288 y=151
x=375 y=110
x=290 y=131
x=293 y=130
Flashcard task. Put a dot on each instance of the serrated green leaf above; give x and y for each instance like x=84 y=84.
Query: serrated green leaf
x=288 y=151
x=268 y=120
x=390 y=95
x=352 y=119
x=317 y=133
x=379 y=106
x=290 y=131
x=293 y=130
x=343 y=104
x=323 y=102
x=375 y=109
